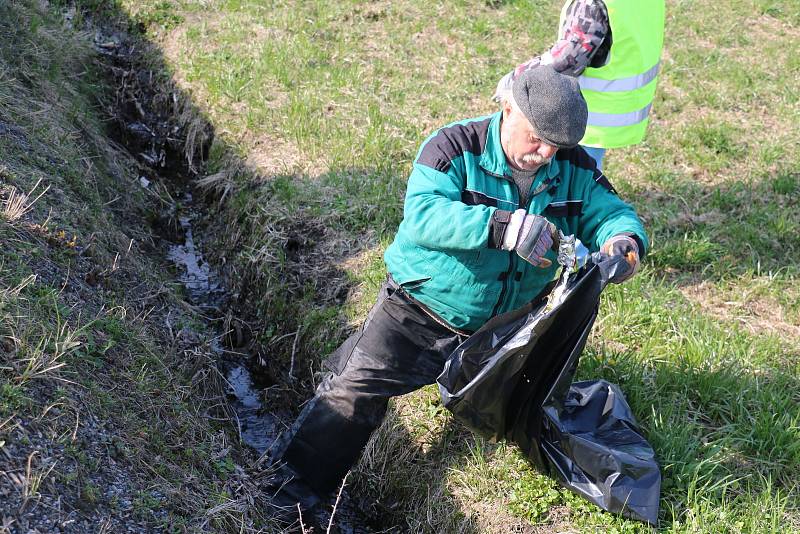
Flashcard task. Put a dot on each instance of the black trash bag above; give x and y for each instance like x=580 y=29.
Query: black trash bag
x=512 y=380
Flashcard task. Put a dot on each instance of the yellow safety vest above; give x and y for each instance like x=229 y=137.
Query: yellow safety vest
x=620 y=93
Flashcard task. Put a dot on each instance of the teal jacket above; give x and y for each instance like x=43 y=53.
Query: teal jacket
x=441 y=253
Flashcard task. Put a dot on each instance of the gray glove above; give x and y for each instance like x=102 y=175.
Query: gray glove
x=530 y=236
x=625 y=246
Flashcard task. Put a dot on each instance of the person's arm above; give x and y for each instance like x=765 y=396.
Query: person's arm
x=605 y=216
x=585 y=28
x=434 y=215
x=436 y=218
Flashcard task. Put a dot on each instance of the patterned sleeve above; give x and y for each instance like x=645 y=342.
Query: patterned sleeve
x=581 y=38
x=584 y=30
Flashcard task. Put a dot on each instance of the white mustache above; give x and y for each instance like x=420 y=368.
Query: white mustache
x=535 y=158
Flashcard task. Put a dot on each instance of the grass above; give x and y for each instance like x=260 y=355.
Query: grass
x=99 y=398
x=320 y=108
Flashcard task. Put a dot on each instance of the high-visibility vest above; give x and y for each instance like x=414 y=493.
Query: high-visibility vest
x=620 y=93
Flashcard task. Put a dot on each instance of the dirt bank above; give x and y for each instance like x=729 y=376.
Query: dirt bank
x=114 y=415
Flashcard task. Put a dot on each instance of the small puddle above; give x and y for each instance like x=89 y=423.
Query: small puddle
x=198 y=278
x=257 y=428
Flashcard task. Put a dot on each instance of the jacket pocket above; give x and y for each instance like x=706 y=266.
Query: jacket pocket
x=414 y=283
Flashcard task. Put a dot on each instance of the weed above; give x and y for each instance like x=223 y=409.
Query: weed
x=786 y=184
x=12 y=399
x=161 y=14
x=90 y=494
x=34 y=476
x=18 y=204
x=145 y=503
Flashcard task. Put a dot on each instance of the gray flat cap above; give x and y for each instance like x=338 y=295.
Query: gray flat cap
x=553 y=104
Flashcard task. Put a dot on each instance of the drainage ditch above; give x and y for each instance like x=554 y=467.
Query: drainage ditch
x=144 y=126
x=256 y=426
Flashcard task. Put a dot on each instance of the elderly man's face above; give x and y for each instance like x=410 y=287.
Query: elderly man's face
x=524 y=151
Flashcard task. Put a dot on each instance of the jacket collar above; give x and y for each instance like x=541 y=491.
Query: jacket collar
x=493 y=160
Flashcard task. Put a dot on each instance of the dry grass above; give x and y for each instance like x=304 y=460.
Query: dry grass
x=47 y=357
x=34 y=476
x=746 y=307
x=18 y=204
x=270 y=156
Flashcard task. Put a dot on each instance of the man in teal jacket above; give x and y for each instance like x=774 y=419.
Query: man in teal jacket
x=485 y=202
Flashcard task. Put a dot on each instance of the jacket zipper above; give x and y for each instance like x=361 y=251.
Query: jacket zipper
x=505 y=284
x=510 y=270
x=511 y=264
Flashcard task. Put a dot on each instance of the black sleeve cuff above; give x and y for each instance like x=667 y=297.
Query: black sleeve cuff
x=497 y=227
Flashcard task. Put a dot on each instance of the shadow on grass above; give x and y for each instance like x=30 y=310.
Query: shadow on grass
x=276 y=260
x=278 y=240
x=726 y=230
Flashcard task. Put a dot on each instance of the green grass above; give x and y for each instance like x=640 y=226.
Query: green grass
x=320 y=108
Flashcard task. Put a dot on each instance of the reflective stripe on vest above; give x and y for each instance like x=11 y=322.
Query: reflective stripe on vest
x=622 y=84
x=619 y=119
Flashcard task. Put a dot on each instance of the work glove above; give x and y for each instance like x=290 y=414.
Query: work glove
x=625 y=246
x=530 y=236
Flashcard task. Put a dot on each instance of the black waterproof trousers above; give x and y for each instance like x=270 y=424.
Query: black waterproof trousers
x=400 y=348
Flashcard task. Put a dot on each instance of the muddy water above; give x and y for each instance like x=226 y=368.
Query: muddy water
x=257 y=427
x=200 y=280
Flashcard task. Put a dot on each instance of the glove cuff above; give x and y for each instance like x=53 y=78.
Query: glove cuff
x=504 y=227
x=497 y=227
x=511 y=236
